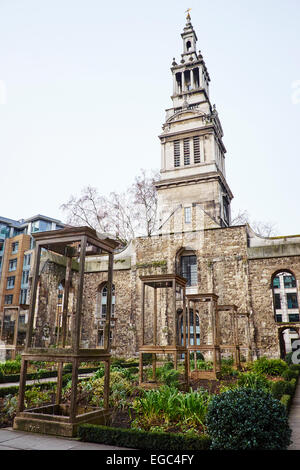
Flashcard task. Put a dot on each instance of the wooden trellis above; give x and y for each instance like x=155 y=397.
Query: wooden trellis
x=213 y=347
x=60 y=419
x=173 y=346
x=233 y=346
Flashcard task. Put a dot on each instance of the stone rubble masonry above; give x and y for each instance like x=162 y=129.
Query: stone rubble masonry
x=224 y=268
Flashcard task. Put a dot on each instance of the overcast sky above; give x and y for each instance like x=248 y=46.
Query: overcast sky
x=84 y=85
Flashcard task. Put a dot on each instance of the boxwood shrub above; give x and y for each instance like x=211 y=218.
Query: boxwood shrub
x=138 y=439
x=286 y=401
x=282 y=387
x=247 y=419
x=290 y=374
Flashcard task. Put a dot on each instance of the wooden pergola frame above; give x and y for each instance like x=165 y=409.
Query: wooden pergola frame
x=212 y=299
x=58 y=419
x=235 y=346
x=162 y=281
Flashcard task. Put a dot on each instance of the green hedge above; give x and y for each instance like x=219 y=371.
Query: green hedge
x=136 y=439
x=286 y=400
x=14 y=389
x=42 y=375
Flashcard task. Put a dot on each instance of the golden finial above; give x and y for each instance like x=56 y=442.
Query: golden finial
x=188 y=14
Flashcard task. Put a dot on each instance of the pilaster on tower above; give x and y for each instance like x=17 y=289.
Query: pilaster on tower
x=193 y=153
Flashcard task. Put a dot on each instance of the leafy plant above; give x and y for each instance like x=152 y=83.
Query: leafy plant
x=167 y=406
x=98 y=374
x=8 y=409
x=11 y=367
x=247 y=419
x=253 y=380
x=37 y=397
x=201 y=364
x=274 y=367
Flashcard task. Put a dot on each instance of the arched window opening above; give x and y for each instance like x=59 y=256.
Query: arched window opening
x=188 y=269
x=101 y=313
x=188 y=45
x=287 y=336
x=285 y=297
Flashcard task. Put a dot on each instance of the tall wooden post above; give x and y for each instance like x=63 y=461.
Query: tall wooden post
x=106 y=384
x=36 y=268
x=77 y=329
x=143 y=314
x=154 y=333
x=22 y=385
x=73 y=405
x=109 y=302
x=195 y=335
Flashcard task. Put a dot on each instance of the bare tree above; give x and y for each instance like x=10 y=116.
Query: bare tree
x=126 y=215
x=264 y=229
x=145 y=197
x=89 y=209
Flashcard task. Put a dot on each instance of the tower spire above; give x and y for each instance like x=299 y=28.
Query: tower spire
x=193 y=153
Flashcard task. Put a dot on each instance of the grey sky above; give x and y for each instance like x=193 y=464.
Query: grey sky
x=87 y=83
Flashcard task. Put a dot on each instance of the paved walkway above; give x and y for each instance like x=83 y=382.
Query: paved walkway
x=294 y=419
x=19 y=440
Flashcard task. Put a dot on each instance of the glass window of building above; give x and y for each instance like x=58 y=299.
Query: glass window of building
x=15 y=247
x=10 y=284
x=8 y=299
x=12 y=265
x=189 y=269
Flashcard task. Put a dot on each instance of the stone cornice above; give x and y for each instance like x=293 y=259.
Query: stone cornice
x=192 y=179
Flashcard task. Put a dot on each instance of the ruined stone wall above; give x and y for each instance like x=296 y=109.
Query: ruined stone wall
x=223 y=268
x=124 y=330
x=222 y=263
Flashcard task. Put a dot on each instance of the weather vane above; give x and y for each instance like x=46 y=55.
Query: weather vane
x=188 y=14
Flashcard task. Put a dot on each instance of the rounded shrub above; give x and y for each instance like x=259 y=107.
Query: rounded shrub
x=68 y=367
x=247 y=419
x=272 y=367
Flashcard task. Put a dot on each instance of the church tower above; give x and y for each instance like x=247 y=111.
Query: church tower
x=192 y=150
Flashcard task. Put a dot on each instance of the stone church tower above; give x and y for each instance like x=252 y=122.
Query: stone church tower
x=192 y=150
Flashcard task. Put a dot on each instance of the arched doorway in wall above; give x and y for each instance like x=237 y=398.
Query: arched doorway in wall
x=287 y=336
x=101 y=309
x=285 y=297
x=286 y=308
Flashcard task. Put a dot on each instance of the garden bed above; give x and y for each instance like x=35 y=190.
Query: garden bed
x=165 y=411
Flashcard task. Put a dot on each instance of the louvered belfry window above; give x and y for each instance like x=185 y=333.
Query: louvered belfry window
x=196 y=149
x=177 y=153
x=186 y=151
